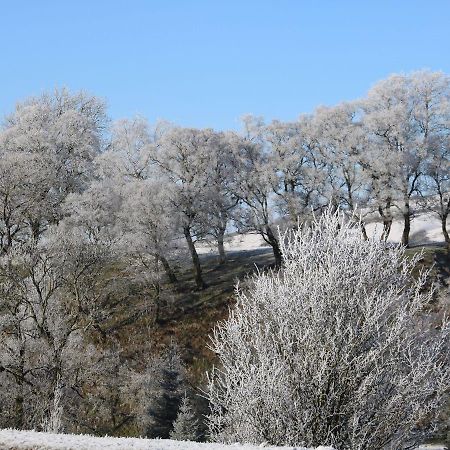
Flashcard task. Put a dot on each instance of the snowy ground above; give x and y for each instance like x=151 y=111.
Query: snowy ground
x=31 y=440
x=425 y=230
x=234 y=243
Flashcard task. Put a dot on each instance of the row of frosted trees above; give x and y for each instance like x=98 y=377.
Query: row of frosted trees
x=78 y=194
x=383 y=157
x=386 y=155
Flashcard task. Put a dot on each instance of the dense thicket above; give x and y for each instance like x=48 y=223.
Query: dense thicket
x=91 y=212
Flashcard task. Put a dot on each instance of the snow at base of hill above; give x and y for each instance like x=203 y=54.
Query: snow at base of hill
x=32 y=440
x=234 y=243
x=425 y=229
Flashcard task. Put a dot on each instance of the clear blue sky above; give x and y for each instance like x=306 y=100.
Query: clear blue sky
x=205 y=63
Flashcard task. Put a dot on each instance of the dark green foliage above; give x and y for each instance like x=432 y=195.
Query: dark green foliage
x=167 y=395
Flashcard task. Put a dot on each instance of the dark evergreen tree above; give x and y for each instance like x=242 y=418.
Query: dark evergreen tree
x=167 y=395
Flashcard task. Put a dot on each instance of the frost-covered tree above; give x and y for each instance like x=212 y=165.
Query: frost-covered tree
x=60 y=134
x=382 y=183
x=293 y=159
x=254 y=183
x=25 y=181
x=185 y=427
x=334 y=349
x=50 y=294
x=437 y=184
x=219 y=201
x=341 y=146
x=182 y=157
x=402 y=115
x=433 y=115
x=150 y=230
x=388 y=119
x=36 y=333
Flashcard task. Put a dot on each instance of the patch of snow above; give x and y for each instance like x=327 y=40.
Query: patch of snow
x=425 y=229
x=432 y=447
x=234 y=242
x=32 y=440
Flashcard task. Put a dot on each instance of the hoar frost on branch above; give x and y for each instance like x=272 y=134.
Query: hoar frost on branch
x=334 y=349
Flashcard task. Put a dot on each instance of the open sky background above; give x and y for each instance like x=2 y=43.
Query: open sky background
x=206 y=63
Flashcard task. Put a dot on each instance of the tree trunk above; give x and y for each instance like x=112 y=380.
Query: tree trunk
x=387 y=220
x=168 y=269
x=195 y=259
x=220 y=246
x=386 y=229
x=364 y=231
x=444 y=228
x=19 y=400
x=158 y=305
x=407 y=224
x=19 y=413
x=273 y=241
x=35 y=226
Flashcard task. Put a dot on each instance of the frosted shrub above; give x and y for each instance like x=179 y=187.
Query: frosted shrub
x=334 y=349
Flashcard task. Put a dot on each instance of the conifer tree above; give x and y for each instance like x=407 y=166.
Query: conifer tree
x=167 y=396
x=185 y=427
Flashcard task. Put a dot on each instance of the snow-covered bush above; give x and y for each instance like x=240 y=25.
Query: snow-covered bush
x=334 y=349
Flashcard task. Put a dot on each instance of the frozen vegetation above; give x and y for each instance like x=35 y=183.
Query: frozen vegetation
x=102 y=226
x=309 y=353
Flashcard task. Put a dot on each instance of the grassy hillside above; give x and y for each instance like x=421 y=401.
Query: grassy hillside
x=187 y=316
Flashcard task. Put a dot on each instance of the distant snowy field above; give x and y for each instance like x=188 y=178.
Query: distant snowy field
x=31 y=440
x=425 y=230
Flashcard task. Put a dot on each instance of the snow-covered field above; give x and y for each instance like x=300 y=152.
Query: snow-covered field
x=425 y=229
x=31 y=440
